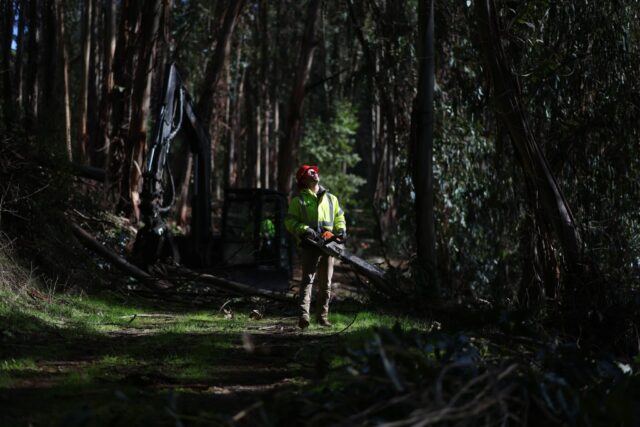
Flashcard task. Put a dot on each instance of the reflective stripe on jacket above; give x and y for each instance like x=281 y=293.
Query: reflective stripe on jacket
x=319 y=211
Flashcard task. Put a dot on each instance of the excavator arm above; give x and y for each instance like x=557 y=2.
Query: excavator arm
x=176 y=115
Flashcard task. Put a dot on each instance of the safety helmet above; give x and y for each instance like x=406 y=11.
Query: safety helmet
x=302 y=171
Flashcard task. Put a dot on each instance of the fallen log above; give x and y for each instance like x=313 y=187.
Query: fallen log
x=176 y=274
x=91 y=243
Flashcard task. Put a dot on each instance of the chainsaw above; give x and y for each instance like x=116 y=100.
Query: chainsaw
x=332 y=245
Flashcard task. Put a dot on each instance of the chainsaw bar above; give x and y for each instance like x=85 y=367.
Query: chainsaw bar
x=337 y=250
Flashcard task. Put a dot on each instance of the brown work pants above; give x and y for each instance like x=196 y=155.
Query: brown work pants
x=317 y=267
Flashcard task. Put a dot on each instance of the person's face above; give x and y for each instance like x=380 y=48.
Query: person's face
x=311 y=178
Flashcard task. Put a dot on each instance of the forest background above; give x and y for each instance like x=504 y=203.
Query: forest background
x=495 y=150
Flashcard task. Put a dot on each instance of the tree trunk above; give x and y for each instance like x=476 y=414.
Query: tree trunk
x=48 y=119
x=83 y=139
x=109 y=12
x=30 y=101
x=119 y=97
x=288 y=153
x=263 y=31
x=8 y=103
x=19 y=67
x=183 y=200
x=31 y=74
x=214 y=67
x=251 y=114
x=511 y=115
x=145 y=48
x=233 y=149
x=423 y=146
x=94 y=73
x=63 y=70
x=204 y=107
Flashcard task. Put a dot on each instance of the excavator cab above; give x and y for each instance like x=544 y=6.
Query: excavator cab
x=255 y=246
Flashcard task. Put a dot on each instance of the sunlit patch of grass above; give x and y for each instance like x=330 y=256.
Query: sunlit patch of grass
x=17 y=364
x=192 y=372
x=362 y=323
x=116 y=361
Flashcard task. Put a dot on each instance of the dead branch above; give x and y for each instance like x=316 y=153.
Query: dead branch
x=91 y=243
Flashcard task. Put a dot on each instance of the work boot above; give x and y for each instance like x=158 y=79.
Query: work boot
x=323 y=321
x=303 y=323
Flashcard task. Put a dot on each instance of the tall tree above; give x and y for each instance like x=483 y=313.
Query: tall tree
x=288 y=155
x=31 y=80
x=87 y=32
x=150 y=17
x=8 y=102
x=19 y=68
x=511 y=114
x=422 y=141
x=109 y=12
x=63 y=72
x=204 y=107
x=215 y=65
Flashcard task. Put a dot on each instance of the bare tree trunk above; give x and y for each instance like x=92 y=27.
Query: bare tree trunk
x=183 y=200
x=119 y=100
x=214 y=67
x=109 y=12
x=48 y=116
x=263 y=31
x=265 y=146
x=83 y=139
x=30 y=101
x=94 y=73
x=275 y=103
x=63 y=68
x=251 y=113
x=204 y=107
x=8 y=102
x=288 y=153
x=137 y=135
x=236 y=88
x=19 y=66
x=512 y=116
x=422 y=149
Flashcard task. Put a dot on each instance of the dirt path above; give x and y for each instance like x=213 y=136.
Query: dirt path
x=150 y=370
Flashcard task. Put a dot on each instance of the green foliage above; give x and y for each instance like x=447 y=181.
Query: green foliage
x=330 y=145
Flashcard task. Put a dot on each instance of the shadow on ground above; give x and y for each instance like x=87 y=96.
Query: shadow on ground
x=153 y=371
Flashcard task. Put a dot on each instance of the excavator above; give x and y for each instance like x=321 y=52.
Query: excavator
x=253 y=246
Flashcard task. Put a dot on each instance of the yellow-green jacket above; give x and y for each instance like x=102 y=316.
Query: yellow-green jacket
x=319 y=211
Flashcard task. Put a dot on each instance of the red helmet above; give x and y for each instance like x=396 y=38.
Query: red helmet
x=302 y=171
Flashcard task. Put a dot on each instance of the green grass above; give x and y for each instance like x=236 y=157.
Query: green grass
x=73 y=349
x=17 y=364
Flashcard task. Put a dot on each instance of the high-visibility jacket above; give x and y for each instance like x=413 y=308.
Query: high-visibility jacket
x=319 y=211
x=267 y=229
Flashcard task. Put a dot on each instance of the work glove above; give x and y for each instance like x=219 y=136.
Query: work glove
x=341 y=236
x=310 y=233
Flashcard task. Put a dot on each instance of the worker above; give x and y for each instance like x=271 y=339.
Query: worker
x=311 y=212
x=266 y=244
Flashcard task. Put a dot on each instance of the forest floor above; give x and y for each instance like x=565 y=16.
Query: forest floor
x=118 y=359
